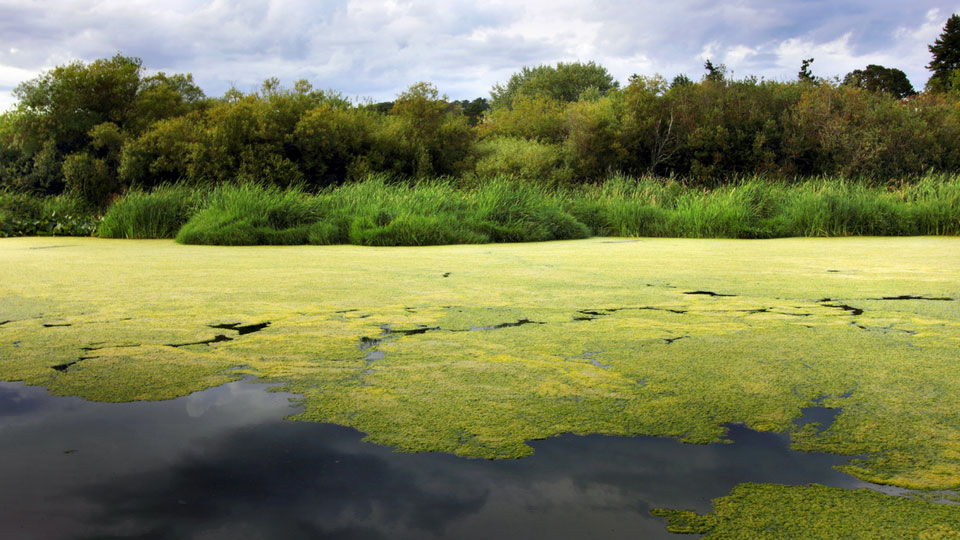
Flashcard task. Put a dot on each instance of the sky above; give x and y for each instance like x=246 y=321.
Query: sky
x=375 y=49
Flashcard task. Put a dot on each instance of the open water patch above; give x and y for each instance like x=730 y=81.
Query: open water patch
x=831 y=303
x=912 y=297
x=223 y=463
x=219 y=338
x=242 y=329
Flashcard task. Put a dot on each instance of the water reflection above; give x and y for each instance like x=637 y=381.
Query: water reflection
x=223 y=464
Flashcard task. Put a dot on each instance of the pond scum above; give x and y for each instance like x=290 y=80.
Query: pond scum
x=477 y=349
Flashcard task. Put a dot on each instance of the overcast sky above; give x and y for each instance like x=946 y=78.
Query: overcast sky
x=377 y=48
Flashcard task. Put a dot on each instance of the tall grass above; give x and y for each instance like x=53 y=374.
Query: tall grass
x=251 y=214
x=381 y=212
x=151 y=214
x=759 y=208
x=378 y=212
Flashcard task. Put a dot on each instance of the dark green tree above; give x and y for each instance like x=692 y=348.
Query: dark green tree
x=946 y=56
x=889 y=81
x=680 y=80
x=805 y=75
x=565 y=83
x=65 y=103
x=163 y=96
x=716 y=73
x=473 y=110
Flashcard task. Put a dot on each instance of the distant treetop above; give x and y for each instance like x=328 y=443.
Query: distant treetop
x=946 y=55
x=564 y=83
x=880 y=79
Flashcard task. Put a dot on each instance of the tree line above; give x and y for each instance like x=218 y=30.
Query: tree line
x=97 y=129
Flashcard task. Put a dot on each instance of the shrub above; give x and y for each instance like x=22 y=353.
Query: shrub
x=23 y=214
x=523 y=159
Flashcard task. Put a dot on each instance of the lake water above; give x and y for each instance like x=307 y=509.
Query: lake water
x=223 y=463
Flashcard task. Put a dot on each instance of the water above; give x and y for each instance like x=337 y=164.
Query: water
x=224 y=464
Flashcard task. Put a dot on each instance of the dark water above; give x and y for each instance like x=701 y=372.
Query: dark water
x=223 y=464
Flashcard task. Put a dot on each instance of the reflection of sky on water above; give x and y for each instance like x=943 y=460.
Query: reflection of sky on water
x=223 y=464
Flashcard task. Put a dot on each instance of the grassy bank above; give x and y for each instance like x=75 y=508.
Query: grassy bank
x=376 y=212
x=380 y=212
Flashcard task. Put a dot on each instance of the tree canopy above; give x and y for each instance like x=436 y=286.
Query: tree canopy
x=946 y=55
x=564 y=83
x=881 y=79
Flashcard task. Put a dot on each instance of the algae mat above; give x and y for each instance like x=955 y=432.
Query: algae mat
x=477 y=349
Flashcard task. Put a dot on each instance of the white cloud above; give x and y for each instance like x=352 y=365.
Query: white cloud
x=379 y=47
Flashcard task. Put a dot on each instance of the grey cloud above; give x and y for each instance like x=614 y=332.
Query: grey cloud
x=378 y=48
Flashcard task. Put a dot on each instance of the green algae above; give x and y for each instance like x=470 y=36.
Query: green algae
x=613 y=343
x=814 y=512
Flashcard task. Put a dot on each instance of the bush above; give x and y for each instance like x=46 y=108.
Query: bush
x=523 y=159
x=23 y=214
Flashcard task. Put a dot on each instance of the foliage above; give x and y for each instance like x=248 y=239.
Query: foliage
x=715 y=73
x=159 y=213
x=99 y=129
x=564 y=83
x=473 y=110
x=64 y=103
x=881 y=79
x=500 y=208
x=946 y=55
x=524 y=160
x=22 y=214
x=250 y=214
x=805 y=75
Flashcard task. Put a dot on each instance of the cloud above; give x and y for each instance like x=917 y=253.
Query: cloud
x=377 y=48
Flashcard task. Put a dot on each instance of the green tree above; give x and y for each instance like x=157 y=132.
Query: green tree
x=473 y=110
x=680 y=80
x=889 y=81
x=163 y=96
x=946 y=56
x=565 y=83
x=805 y=75
x=716 y=73
x=65 y=103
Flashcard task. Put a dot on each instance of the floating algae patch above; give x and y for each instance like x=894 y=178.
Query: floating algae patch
x=651 y=359
x=774 y=512
x=223 y=464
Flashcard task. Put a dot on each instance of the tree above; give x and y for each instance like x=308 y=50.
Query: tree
x=564 y=83
x=889 y=81
x=680 y=80
x=805 y=75
x=946 y=56
x=65 y=103
x=473 y=110
x=716 y=73
x=163 y=96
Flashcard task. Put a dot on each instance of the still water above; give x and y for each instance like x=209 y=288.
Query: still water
x=224 y=464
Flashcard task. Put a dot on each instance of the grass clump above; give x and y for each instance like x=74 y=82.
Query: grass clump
x=151 y=214
x=251 y=214
x=377 y=212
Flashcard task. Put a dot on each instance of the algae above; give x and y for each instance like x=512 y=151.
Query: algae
x=611 y=339
x=815 y=512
